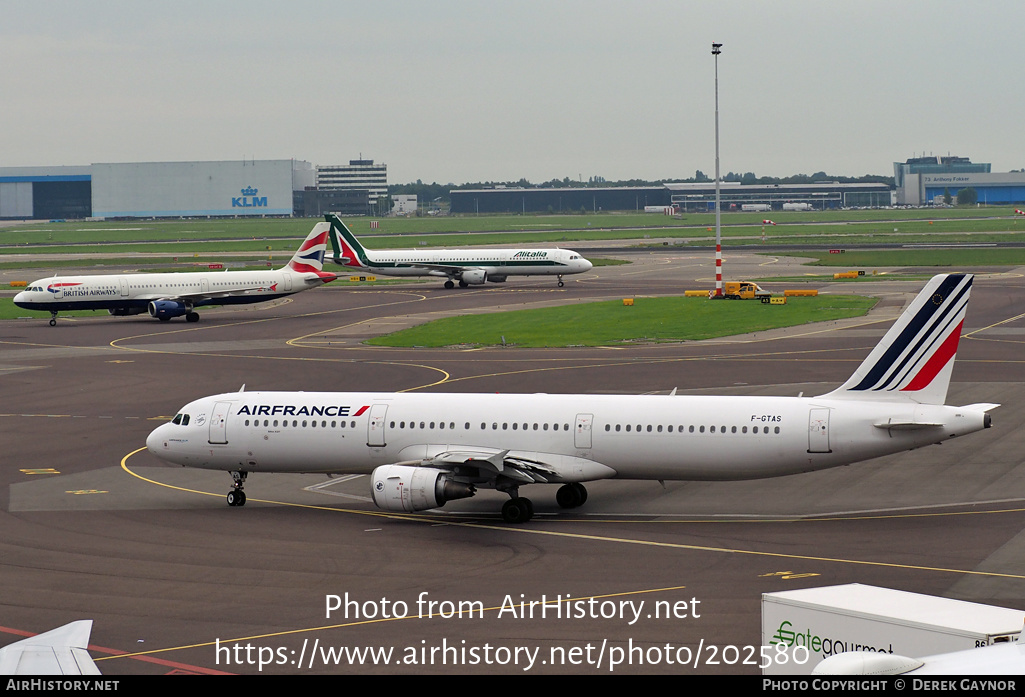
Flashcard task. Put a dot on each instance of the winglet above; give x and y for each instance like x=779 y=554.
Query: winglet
x=61 y=651
x=915 y=358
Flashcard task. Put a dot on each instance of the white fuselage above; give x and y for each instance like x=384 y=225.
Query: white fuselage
x=628 y=437
x=136 y=291
x=497 y=263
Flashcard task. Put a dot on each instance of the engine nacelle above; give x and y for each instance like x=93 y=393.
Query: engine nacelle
x=475 y=277
x=126 y=311
x=405 y=488
x=168 y=309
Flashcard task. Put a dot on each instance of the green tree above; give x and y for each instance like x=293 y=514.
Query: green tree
x=967 y=196
x=946 y=196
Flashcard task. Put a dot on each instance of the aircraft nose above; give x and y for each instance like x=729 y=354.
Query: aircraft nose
x=156 y=442
x=21 y=298
x=587 y=265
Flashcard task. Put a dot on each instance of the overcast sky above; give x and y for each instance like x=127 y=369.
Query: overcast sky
x=461 y=91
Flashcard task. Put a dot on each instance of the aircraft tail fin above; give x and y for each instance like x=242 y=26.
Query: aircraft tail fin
x=309 y=258
x=915 y=358
x=347 y=249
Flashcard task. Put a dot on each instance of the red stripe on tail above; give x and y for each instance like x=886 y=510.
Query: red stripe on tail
x=935 y=364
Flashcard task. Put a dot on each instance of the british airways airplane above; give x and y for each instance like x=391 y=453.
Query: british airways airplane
x=464 y=266
x=167 y=295
x=423 y=450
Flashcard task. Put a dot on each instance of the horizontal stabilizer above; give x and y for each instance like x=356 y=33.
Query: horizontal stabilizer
x=907 y=425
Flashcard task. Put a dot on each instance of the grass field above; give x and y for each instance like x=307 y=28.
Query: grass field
x=186 y=237
x=611 y=323
x=959 y=258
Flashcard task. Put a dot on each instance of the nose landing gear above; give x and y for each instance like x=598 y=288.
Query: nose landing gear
x=237 y=497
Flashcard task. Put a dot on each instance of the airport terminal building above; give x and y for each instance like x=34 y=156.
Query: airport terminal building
x=693 y=197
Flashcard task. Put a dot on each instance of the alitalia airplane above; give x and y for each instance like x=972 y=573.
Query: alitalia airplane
x=167 y=295
x=422 y=450
x=464 y=266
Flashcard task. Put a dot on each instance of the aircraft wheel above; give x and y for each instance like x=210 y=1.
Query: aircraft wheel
x=463 y=284
x=53 y=323
x=164 y=319
x=449 y=285
x=517 y=510
x=236 y=497
x=561 y=284
x=192 y=317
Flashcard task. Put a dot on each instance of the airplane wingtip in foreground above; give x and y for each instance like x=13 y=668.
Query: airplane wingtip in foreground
x=168 y=295
x=61 y=651
x=423 y=450
x=463 y=266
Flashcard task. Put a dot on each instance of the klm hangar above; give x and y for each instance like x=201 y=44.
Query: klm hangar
x=155 y=189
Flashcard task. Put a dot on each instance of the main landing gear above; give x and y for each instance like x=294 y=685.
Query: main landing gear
x=237 y=497
x=450 y=284
x=520 y=510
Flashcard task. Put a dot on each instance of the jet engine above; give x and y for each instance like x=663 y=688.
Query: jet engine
x=475 y=277
x=405 y=488
x=166 y=309
x=126 y=311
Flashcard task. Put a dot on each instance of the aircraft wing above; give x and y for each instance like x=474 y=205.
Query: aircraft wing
x=518 y=465
x=60 y=651
x=442 y=269
x=192 y=298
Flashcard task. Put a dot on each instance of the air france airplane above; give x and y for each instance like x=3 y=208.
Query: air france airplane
x=167 y=295
x=464 y=266
x=422 y=450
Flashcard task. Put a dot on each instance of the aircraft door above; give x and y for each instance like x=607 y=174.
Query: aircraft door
x=375 y=426
x=582 y=432
x=219 y=423
x=818 y=431
x=204 y=285
x=287 y=282
x=124 y=287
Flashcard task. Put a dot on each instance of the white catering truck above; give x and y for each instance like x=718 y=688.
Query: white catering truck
x=804 y=627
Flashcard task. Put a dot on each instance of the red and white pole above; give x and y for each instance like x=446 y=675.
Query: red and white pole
x=718 y=269
x=716 y=49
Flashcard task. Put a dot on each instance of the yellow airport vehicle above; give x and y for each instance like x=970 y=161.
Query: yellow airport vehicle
x=743 y=290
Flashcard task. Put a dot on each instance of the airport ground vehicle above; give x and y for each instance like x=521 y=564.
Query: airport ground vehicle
x=743 y=290
x=813 y=624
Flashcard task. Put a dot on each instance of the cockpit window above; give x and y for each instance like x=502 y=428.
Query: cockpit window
x=181 y=420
